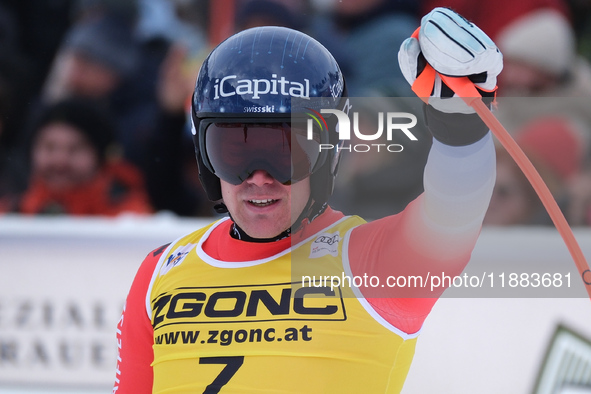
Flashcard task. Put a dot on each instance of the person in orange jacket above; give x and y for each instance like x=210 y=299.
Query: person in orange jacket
x=70 y=169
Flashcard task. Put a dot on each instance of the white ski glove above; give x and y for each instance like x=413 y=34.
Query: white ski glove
x=449 y=45
x=454 y=47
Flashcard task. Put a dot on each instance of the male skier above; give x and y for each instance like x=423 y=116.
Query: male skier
x=218 y=310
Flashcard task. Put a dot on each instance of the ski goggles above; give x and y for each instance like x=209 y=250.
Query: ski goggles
x=234 y=151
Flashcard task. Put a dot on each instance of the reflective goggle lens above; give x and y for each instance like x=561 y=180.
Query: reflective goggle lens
x=236 y=150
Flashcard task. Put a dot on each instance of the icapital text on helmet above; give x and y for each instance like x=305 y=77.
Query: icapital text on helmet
x=260 y=86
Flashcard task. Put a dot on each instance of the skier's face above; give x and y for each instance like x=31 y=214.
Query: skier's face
x=262 y=206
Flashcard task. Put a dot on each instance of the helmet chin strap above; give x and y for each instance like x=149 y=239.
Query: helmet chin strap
x=237 y=233
x=220 y=208
x=311 y=211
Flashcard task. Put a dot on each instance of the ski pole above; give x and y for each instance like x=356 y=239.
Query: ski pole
x=466 y=90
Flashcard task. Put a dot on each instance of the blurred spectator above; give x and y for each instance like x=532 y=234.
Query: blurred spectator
x=94 y=59
x=173 y=47
x=40 y=26
x=97 y=60
x=580 y=11
x=253 y=13
x=542 y=75
x=176 y=21
x=579 y=194
x=369 y=33
x=105 y=58
x=71 y=171
x=16 y=88
x=557 y=147
x=171 y=166
x=89 y=9
x=12 y=172
x=540 y=59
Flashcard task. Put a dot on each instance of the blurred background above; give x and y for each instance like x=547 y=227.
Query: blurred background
x=97 y=168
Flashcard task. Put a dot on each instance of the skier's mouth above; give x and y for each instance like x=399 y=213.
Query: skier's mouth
x=263 y=202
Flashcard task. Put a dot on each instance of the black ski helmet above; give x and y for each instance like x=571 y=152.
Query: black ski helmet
x=253 y=76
